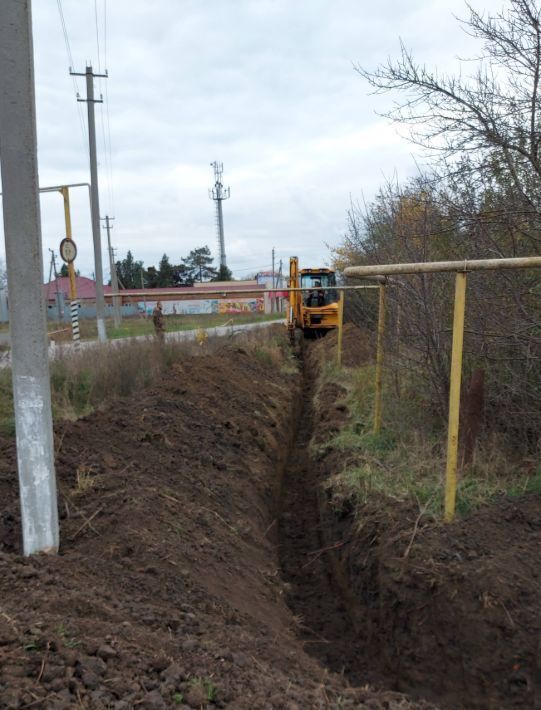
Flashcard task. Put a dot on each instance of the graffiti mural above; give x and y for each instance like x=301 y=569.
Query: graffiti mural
x=206 y=306
x=253 y=305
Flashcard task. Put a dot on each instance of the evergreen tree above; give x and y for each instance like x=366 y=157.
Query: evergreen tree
x=151 y=277
x=198 y=265
x=182 y=275
x=224 y=274
x=64 y=271
x=165 y=273
x=129 y=271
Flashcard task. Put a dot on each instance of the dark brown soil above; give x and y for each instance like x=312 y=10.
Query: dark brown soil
x=449 y=613
x=207 y=562
x=168 y=589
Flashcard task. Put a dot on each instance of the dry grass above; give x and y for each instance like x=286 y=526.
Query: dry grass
x=85 y=479
x=80 y=383
x=272 y=348
x=406 y=461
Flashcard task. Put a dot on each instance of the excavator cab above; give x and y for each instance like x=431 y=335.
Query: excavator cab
x=313 y=306
x=318 y=283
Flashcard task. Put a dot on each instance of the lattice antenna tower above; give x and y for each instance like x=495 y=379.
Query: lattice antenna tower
x=218 y=193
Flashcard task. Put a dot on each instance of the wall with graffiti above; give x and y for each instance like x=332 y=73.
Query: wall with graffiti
x=206 y=306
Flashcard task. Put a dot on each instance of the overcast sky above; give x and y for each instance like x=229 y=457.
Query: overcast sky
x=265 y=86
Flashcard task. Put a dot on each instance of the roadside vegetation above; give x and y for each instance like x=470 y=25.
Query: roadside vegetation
x=81 y=383
x=405 y=462
x=477 y=197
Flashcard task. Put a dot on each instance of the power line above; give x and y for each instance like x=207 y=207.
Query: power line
x=110 y=147
x=251 y=268
x=97 y=34
x=107 y=138
x=70 y=60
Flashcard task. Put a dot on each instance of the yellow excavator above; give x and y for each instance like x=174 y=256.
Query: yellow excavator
x=314 y=310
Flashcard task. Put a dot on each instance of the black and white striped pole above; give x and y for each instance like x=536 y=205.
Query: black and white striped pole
x=74 y=314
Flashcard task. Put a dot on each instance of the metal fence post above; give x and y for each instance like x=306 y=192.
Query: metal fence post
x=379 y=360
x=340 y=328
x=454 y=395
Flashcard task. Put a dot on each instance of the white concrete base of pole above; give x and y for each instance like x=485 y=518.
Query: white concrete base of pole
x=35 y=458
x=102 y=333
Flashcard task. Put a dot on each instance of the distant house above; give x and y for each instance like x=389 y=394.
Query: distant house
x=265 y=278
x=86 y=288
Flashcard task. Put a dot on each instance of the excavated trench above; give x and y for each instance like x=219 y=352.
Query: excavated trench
x=447 y=614
x=315 y=590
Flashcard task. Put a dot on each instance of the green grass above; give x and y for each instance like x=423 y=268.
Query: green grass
x=206 y=685
x=406 y=460
x=143 y=326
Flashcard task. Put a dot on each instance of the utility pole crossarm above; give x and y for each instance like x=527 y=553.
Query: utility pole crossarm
x=78 y=73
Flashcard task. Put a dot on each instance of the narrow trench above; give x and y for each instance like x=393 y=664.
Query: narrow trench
x=324 y=625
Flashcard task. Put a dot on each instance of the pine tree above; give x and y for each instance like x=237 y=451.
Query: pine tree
x=224 y=274
x=198 y=265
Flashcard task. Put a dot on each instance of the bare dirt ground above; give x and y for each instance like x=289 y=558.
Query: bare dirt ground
x=202 y=565
x=168 y=589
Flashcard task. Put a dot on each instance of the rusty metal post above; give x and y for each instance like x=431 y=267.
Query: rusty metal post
x=379 y=360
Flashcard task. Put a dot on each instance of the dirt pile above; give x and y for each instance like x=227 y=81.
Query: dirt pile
x=167 y=591
x=444 y=612
x=358 y=346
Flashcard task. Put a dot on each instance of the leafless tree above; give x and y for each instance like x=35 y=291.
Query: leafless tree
x=491 y=115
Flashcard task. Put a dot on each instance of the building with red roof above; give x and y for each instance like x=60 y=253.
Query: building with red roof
x=86 y=288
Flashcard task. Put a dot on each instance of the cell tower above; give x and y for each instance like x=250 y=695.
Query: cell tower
x=218 y=193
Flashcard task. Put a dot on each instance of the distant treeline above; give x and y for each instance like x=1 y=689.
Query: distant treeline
x=196 y=267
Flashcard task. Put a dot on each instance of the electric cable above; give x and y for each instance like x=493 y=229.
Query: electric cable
x=74 y=79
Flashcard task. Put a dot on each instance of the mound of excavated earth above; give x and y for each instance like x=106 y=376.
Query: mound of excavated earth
x=168 y=590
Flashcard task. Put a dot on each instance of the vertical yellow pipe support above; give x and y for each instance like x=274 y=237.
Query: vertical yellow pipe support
x=454 y=396
x=67 y=218
x=340 y=328
x=379 y=360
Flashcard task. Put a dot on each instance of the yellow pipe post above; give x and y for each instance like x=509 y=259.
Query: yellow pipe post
x=454 y=396
x=340 y=328
x=67 y=218
x=379 y=359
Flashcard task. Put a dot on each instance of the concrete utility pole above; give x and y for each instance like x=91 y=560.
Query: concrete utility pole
x=279 y=285
x=273 y=308
x=218 y=193
x=22 y=228
x=117 y=315
x=95 y=199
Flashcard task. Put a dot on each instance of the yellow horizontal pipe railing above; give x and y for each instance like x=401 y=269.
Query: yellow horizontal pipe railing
x=461 y=268
x=428 y=267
